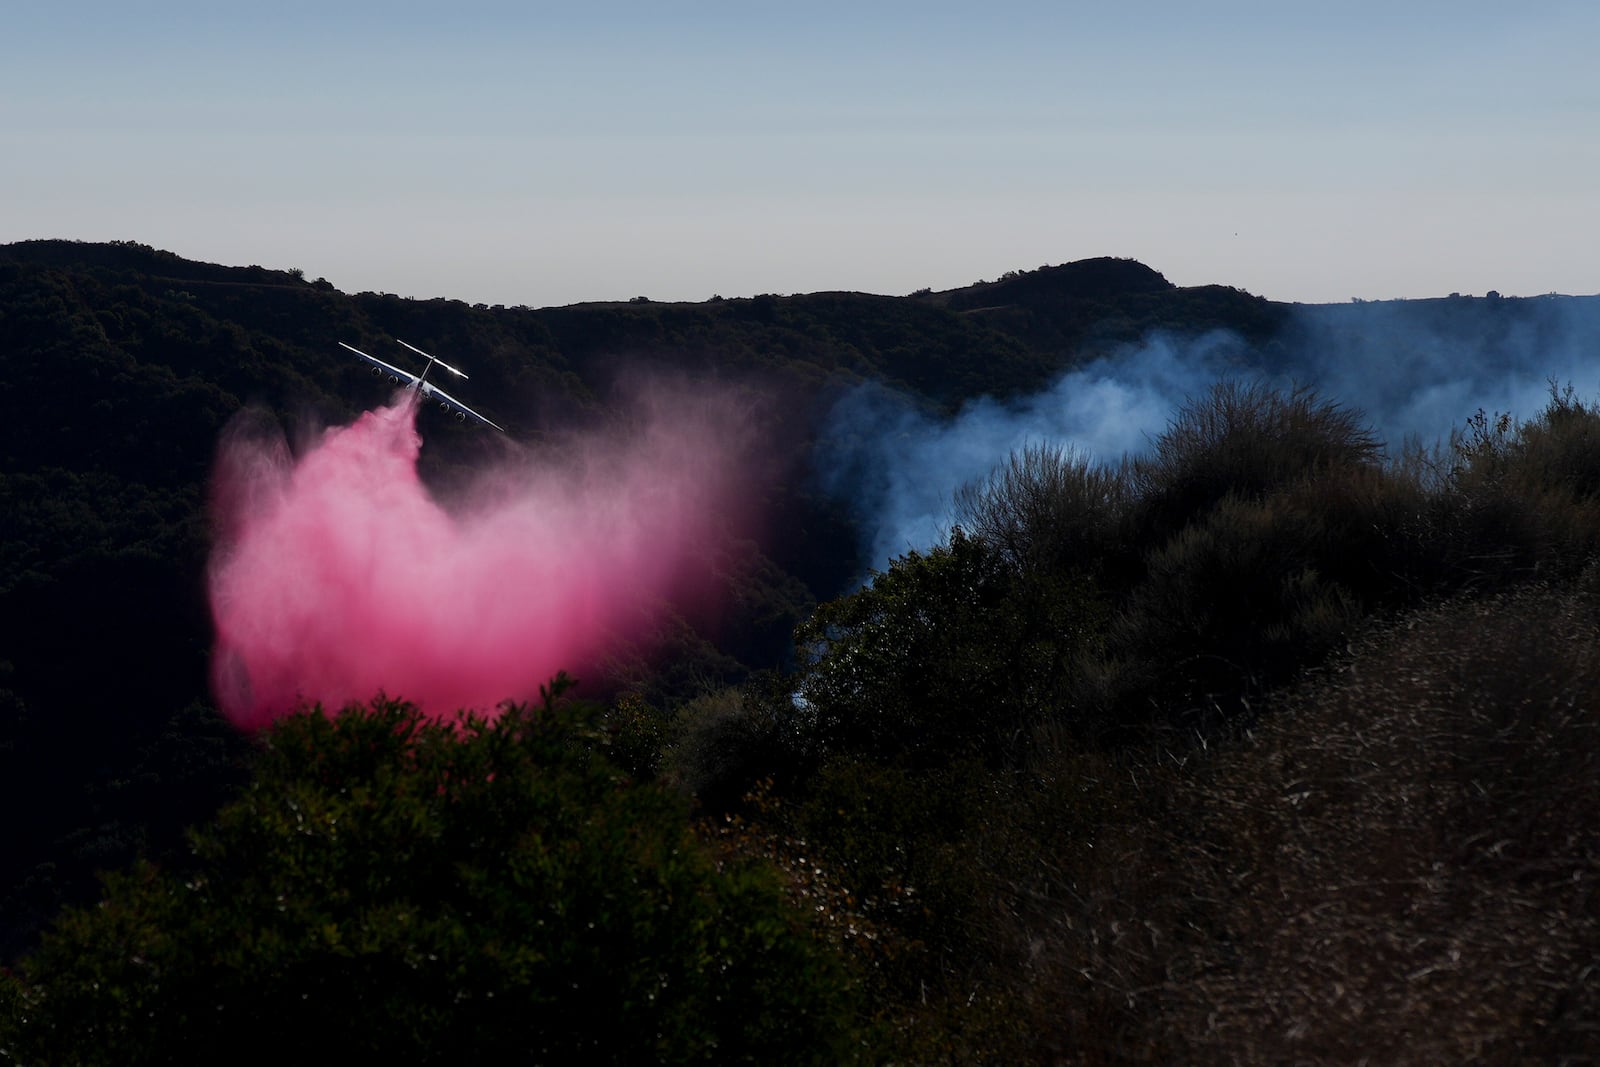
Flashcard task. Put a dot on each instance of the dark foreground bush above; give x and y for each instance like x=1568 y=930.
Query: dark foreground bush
x=396 y=890
x=1404 y=865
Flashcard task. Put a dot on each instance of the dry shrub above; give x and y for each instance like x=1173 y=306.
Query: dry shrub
x=1398 y=866
x=1523 y=498
x=1404 y=864
x=1090 y=903
x=1048 y=508
x=1245 y=441
x=1559 y=449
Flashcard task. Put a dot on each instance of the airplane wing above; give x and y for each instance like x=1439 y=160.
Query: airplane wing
x=434 y=360
x=430 y=392
x=379 y=366
x=434 y=395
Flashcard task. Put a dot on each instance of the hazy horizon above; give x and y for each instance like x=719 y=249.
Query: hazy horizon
x=528 y=154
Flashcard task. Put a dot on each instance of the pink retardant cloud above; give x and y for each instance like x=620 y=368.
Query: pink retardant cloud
x=337 y=575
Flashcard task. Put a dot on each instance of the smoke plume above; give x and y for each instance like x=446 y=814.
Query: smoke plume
x=336 y=574
x=1415 y=369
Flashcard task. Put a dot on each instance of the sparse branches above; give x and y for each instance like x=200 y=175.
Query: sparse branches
x=1047 y=507
x=1247 y=440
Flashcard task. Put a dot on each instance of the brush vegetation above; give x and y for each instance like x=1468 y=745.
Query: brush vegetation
x=1274 y=745
x=1268 y=748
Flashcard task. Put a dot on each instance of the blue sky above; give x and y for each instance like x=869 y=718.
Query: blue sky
x=541 y=154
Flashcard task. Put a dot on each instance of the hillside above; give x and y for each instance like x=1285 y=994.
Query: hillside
x=124 y=363
x=1011 y=757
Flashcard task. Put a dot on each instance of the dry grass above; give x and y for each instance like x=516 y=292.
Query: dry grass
x=1405 y=861
x=1398 y=867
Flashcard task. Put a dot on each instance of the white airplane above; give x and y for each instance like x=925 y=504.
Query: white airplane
x=420 y=383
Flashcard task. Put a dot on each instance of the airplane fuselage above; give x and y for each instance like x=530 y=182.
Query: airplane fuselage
x=420 y=383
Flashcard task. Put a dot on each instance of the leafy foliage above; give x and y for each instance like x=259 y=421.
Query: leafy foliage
x=1046 y=850
x=390 y=887
x=943 y=654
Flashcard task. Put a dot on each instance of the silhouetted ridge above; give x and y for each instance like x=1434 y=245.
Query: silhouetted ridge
x=135 y=257
x=1102 y=278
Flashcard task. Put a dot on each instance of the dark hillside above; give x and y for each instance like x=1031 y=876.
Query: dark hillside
x=1266 y=744
x=1105 y=278
x=131 y=257
x=1077 y=311
x=123 y=363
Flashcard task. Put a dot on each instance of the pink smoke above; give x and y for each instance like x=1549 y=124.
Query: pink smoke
x=337 y=575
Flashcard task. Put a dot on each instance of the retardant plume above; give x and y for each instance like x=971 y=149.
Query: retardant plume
x=336 y=574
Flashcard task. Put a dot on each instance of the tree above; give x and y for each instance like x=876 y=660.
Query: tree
x=395 y=889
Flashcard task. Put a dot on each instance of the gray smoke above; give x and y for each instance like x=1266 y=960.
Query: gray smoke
x=1415 y=369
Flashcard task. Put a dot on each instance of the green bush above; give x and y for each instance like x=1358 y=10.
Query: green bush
x=945 y=655
x=726 y=742
x=1231 y=603
x=1238 y=600
x=400 y=890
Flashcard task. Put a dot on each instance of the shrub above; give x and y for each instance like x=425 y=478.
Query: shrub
x=899 y=838
x=1524 y=498
x=1560 y=449
x=1236 y=601
x=725 y=742
x=1404 y=858
x=1047 y=509
x=944 y=655
x=911 y=854
x=1400 y=856
x=1244 y=441
x=396 y=889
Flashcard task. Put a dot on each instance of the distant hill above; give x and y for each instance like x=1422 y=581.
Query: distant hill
x=131 y=257
x=1087 y=279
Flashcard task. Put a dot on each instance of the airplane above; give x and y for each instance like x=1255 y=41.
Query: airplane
x=420 y=383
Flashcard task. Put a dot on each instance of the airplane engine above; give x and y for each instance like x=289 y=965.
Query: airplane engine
x=419 y=383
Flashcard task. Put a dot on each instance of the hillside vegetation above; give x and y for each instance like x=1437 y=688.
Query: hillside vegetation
x=1275 y=744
